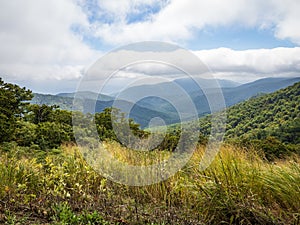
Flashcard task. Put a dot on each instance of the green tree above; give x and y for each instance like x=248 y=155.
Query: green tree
x=13 y=100
x=105 y=128
x=40 y=113
x=25 y=134
x=51 y=135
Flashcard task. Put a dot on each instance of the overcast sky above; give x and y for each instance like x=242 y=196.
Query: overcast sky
x=47 y=45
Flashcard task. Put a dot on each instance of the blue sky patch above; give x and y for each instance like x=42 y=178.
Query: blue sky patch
x=237 y=38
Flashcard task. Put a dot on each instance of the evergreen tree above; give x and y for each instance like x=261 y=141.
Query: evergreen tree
x=13 y=100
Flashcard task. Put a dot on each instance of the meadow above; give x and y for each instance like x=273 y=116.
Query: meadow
x=59 y=187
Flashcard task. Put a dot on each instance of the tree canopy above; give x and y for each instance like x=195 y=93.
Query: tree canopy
x=13 y=102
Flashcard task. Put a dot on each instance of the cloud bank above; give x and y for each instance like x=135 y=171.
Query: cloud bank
x=37 y=41
x=49 y=44
x=178 y=20
x=252 y=64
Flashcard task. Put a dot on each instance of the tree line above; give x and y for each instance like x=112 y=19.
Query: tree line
x=270 y=123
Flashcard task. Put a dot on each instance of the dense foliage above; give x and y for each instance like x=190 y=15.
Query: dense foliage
x=276 y=114
x=46 y=127
x=269 y=122
x=12 y=106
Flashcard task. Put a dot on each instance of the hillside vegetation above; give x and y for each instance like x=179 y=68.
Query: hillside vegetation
x=45 y=180
x=268 y=114
x=269 y=122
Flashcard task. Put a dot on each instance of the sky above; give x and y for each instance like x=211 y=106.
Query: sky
x=48 y=46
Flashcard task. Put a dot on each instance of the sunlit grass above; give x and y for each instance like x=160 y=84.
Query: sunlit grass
x=238 y=187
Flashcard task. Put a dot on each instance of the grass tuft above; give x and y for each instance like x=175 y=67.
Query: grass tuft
x=238 y=188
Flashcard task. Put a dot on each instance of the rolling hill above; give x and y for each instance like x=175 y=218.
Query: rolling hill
x=152 y=106
x=232 y=95
x=140 y=114
x=270 y=122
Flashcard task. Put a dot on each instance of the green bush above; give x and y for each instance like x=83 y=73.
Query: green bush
x=51 y=135
x=64 y=215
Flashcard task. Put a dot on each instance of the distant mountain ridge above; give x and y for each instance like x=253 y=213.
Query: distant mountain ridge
x=140 y=114
x=87 y=95
x=152 y=106
x=232 y=95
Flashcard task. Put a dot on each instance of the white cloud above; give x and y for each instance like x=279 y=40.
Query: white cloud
x=256 y=61
x=288 y=20
x=37 y=41
x=262 y=61
x=178 y=20
x=222 y=63
x=252 y=64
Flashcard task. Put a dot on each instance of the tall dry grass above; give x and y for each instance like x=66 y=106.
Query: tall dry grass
x=238 y=188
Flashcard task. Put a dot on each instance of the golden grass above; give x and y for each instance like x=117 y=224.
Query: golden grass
x=238 y=187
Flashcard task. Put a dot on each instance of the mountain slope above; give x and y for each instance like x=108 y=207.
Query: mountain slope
x=63 y=102
x=270 y=122
x=152 y=106
x=86 y=95
x=139 y=114
x=264 y=115
x=267 y=85
x=232 y=95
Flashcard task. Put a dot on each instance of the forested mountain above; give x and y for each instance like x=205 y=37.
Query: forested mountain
x=246 y=91
x=153 y=106
x=141 y=115
x=87 y=95
x=270 y=122
x=47 y=99
x=267 y=114
x=237 y=94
